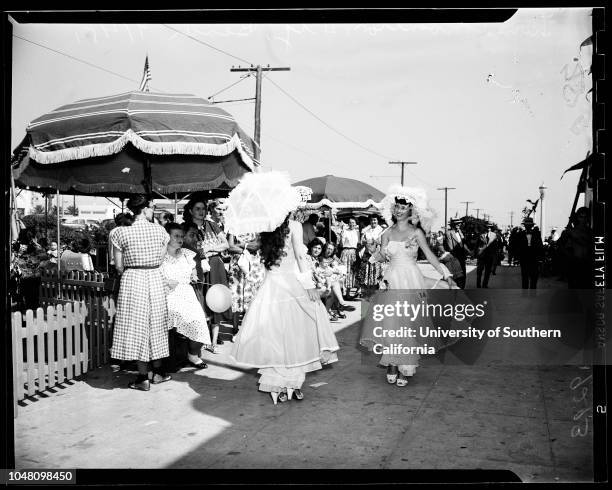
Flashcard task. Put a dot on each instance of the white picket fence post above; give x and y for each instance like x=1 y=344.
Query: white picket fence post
x=67 y=322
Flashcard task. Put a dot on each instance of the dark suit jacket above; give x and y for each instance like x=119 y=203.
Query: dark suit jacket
x=491 y=251
x=525 y=252
x=453 y=246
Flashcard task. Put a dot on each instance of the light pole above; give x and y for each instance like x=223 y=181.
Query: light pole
x=542 y=208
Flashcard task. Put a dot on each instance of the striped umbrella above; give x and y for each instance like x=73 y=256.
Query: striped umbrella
x=135 y=142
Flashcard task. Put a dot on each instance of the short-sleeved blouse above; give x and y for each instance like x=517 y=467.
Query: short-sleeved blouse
x=143 y=244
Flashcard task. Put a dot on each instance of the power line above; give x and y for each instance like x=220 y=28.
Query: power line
x=80 y=60
x=207 y=44
x=296 y=148
x=369 y=150
x=329 y=126
x=244 y=77
x=348 y=138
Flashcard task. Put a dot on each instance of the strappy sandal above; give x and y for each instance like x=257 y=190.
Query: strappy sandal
x=392 y=376
x=401 y=380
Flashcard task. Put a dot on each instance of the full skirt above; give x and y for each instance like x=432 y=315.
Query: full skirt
x=185 y=313
x=284 y=333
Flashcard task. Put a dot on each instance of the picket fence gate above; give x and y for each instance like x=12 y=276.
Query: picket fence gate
x=48 y=349
x=88 y=288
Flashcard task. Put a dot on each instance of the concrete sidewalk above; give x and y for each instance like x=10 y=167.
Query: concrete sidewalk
x=456 y=417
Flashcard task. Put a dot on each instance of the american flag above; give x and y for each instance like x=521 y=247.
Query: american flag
x=146 y=77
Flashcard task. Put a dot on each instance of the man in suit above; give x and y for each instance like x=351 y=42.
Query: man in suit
x=454 y=242
x=486 y=255
x=530 y=251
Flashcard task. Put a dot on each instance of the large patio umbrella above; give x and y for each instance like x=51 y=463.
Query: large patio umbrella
x=135 y=142
x=340 y=193
x=342 y=190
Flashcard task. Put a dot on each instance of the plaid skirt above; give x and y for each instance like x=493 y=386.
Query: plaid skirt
x=141 y=326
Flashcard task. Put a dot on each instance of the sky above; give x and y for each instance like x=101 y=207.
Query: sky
x=493 y=110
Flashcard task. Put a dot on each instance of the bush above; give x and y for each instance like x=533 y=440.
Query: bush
x=98 y=236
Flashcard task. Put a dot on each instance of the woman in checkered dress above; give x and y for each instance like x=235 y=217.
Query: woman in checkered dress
x=141 y=326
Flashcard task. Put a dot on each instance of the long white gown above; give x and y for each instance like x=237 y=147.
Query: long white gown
x=284 y=332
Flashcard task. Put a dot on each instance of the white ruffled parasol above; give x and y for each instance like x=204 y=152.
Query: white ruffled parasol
x=261 y=202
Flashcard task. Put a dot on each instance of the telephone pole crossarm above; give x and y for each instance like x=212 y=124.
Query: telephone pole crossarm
x=402 y=164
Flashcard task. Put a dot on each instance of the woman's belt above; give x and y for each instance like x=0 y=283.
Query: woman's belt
x=142 y=266
x=349 y=248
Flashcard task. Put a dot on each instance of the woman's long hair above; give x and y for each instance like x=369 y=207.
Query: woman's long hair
x=273 y=243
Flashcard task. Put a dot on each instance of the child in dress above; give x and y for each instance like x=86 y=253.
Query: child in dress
x=52 y=253
x=185 y=312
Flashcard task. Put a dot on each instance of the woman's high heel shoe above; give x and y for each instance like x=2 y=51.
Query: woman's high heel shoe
x=276 y=396
x=392 y=375
x=401 y=380
x=298 y=394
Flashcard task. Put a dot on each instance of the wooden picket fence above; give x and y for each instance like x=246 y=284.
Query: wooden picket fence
x=48 y=349
x=87 y=288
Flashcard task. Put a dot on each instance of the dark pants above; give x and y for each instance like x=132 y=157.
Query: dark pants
x=459 y=254
x=484 y=263
x=529 y=272
x=461 y=280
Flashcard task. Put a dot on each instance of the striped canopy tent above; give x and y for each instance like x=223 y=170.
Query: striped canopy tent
x=135 y=142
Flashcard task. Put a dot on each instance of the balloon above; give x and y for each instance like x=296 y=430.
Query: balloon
x=219 y=298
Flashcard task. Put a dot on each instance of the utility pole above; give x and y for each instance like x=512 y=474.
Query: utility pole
x=467 y=203
x=478 y=212
x=446 y=189
x=511 y=216
x=402 y=164
x=258 y=70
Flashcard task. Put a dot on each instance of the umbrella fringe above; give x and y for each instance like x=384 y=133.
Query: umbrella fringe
x=128 y=188
x=151 y=147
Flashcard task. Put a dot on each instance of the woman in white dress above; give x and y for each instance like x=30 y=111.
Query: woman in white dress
x=409 y=212
x=286 y=331
x=185 y=312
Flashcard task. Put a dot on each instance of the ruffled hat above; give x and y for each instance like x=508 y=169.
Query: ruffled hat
x=414 y=195
x=261 y=202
